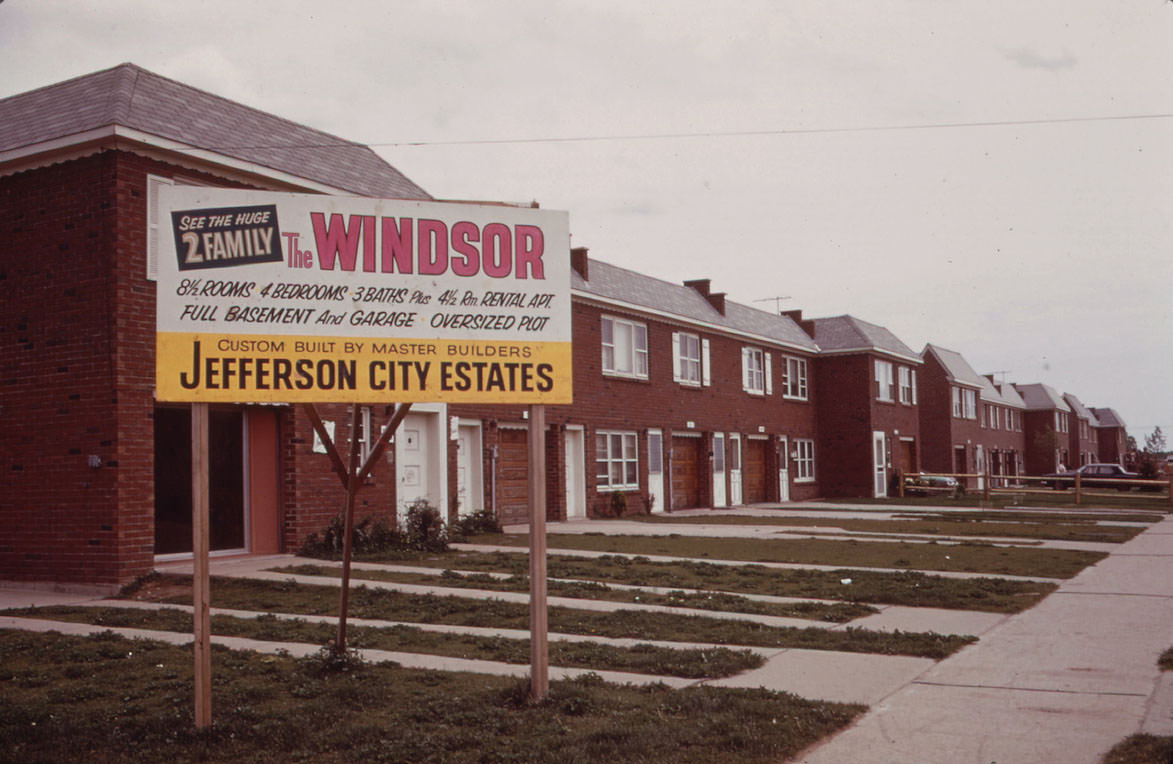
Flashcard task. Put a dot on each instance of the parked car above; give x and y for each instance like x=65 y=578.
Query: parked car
x=919 y=484
x=1093 y=476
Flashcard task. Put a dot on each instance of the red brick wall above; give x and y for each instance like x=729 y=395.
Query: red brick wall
x=611 y=403
x=845 y=428
x=57 y=373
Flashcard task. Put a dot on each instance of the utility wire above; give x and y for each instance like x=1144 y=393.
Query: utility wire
x=706 y=134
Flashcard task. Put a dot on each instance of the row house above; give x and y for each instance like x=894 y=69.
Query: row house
x=682 y=399
x=1048 y=420
x=1111 y=436
x=969 y=424
x=869 y=425
x=97 y=473
x=1081 y=440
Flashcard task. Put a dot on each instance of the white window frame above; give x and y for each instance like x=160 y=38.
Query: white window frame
x=969 y=403
x=956 y=393
x=795 y=379
x=905 y=376
x=687 y=368
x=885 y=381
x=619 y=451
x=754 y=371
x=995 y=418
x=803 y=462
x=629 y=361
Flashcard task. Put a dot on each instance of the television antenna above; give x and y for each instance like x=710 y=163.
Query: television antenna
x=777 y=301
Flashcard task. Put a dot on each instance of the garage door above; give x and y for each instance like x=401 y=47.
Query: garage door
x=513 y=477
x=685 y=457
x=754 y=471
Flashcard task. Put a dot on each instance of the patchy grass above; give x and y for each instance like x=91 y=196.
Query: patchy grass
x=911 y=588
x=1166 y=660
x=640 y=659
x=291 y=597
x=965 y=557
x=840 y=612
x=1141 y=749
x=1041 y=499
x=929 y=525
x=106 y=699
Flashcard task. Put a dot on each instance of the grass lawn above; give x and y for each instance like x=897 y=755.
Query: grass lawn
x=1141 y=749
x=967 y=557
x=290 y=597
x=839 y=612
x=1153 y=502
x=106 y=699
x=911 y=588
x=934 y=525
x=641 y=659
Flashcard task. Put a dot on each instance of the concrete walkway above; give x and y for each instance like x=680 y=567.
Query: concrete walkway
x=1062 y=682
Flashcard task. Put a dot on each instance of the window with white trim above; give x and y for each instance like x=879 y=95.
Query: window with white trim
x=884 y=380
x=616 y=461
x=687 y=363
x=907 y=379
x=794 y=378
x=153 y=184
x=804 y=461
x=625 y=348
x=753 y=371
x=995 y=415
x=964 y=403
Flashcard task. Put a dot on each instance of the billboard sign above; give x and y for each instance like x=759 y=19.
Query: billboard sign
x=273 y=297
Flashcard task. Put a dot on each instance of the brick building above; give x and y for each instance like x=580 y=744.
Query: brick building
x=968 y=425
x=1111 y=436
x=867 y=409
x=97 y=474
x=1047 y=423
x=1081 y=441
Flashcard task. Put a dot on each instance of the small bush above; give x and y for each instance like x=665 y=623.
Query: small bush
x=475 y=524
x=425 y=530
x=618 y=504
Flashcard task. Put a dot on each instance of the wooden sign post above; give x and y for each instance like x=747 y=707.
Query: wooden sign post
x=538 y=618
x=201 y=613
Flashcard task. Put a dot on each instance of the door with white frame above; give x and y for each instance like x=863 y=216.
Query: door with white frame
x=783 y=469
x=879 y=464
x=979 y=458
x=656 y=470
x=718 y=469
x=734 y=468
x=575 y=443
x=420 y=461
x=469 y=475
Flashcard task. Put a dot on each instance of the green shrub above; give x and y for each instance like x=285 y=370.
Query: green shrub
x=474 y=524
x=425 y=530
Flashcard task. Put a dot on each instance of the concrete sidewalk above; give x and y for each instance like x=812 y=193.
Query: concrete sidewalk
x=1062 y=682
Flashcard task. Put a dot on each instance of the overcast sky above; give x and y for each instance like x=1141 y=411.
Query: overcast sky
x=992 y=177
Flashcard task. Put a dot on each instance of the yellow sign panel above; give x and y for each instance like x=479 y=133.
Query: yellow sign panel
x=290 y=369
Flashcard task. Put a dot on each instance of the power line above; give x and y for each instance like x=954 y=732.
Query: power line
x=703 y=134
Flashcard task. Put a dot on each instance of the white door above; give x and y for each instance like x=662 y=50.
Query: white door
x=419 y=462
x=980 y=458
x=469 y=479
x=718 y=469
x=880 y=464
x=575 y=477
x=734 y=468
x=783 y=469
x=656 y=471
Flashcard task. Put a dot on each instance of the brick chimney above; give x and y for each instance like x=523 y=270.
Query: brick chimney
x=796 y=317
x=716 y=299
x=579 y=261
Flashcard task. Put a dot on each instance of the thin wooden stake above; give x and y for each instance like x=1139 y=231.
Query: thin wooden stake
x=201 y=613
x=348 y=528
x=538 y=622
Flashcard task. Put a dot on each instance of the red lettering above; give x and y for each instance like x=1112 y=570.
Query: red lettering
x=497 y=250
x=466 y=261
x=336 y=242
x=528 y=250
x=433 y=247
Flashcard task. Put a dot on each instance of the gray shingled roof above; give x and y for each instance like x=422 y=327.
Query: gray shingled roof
x=957 y=369
x=1108 y=417
x=1040 y=396
x=132 y=97
x=1080 y=410
x=1010 y=396
x=615 y=283
x=848 y=333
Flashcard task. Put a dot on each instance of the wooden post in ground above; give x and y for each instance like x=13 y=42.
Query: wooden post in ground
x=201 y=613
x=900 y=481
x=539 y=648
x=986 y=484
x=1078 y=490
x=348 y=528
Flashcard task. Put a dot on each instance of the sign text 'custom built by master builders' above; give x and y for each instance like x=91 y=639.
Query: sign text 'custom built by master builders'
x=302 y=298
